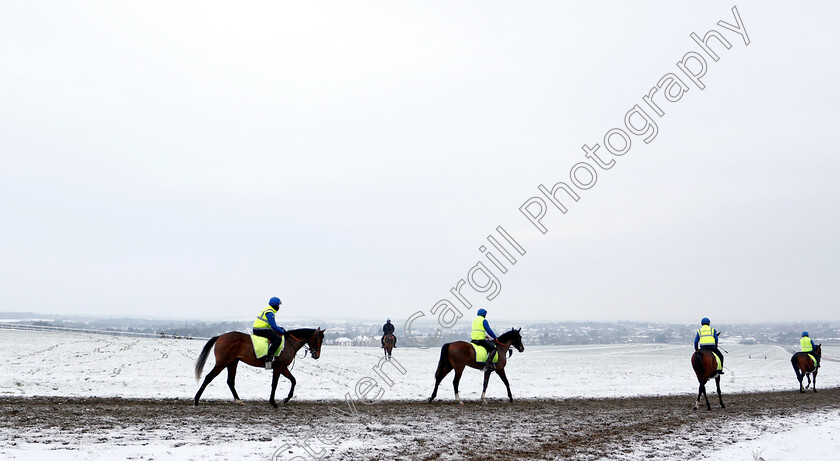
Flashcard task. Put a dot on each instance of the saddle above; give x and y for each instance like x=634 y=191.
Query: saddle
x=261 y=346
x=481 y=354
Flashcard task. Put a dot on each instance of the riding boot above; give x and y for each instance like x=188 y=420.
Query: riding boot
x=488 y=365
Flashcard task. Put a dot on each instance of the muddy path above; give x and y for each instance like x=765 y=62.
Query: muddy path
x=629 y=428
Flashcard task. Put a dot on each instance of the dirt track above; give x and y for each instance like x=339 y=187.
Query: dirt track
x=635 y=428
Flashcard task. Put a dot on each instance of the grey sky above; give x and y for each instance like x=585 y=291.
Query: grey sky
x=192 y=160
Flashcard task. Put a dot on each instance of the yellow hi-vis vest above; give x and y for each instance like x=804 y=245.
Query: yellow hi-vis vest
x=478 y=331
x=707 y=335
x=805 y=344
x=262 y=321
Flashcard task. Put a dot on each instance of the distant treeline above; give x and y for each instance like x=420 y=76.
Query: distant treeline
x=555 y=333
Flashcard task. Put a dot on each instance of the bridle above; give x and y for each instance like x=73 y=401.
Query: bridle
x=306 y=348
x=508 y=347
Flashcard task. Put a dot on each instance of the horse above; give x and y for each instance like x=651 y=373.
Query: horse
x=704 y=363
x=804 y=366
x=460 y=354
x=233 y=347
x=389 y=342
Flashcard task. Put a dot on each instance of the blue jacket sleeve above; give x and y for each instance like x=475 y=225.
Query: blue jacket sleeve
x=717 y=333
x=270 y=317
x=488 y=329
x=813 y=346
x=696 y=340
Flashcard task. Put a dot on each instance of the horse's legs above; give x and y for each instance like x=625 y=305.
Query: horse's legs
x=455 y=382
x=720 y=397
x=706 y=396
x=231 y=379
x=275 y=376
x=439 y=375
x=799 y=375
x=808 y=375
x=288 y=374
x=213 y=373
x=699 y=393
x=501 y=373
x=815 y=379
x=484 y=389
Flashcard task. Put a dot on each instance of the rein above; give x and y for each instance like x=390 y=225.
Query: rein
x=304 y=345
x=509 y=348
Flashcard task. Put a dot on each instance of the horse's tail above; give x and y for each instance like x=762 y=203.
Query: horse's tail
x=444 y=358
x=697 y=364
x=199 y=364
x=794 y=360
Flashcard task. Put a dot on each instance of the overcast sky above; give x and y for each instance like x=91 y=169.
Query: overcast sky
x=194 y=159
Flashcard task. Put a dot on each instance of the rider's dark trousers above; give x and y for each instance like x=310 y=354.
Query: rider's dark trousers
x=272 y=336
x=491 y=348
x=714 y=349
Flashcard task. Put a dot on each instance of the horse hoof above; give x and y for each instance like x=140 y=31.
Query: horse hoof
x=239 y=402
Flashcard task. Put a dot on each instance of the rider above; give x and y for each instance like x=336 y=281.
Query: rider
x=807 y=346
x=707 y=337
x=480 y=331
x=387 y=329
x=265 y=326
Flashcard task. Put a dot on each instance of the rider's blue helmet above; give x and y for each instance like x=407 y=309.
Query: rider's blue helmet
x=705 y=321
x=274 y=302
x=804 y=334
x=388 y=320
x=482 y=312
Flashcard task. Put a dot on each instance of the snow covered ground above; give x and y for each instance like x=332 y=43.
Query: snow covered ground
x=816 y=438
x=80 y=365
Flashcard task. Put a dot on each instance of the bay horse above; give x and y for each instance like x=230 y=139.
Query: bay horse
x=389 y=342
x=460 y=354
x=704 y=363
x=804 y=366
x=234 y=347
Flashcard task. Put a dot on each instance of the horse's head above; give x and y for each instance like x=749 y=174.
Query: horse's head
x=818 y=349
x=314 y=342
x=517 y=343
x=514 y=337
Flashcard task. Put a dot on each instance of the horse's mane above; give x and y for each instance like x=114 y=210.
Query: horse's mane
x=504 y=337
x=301 y=333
